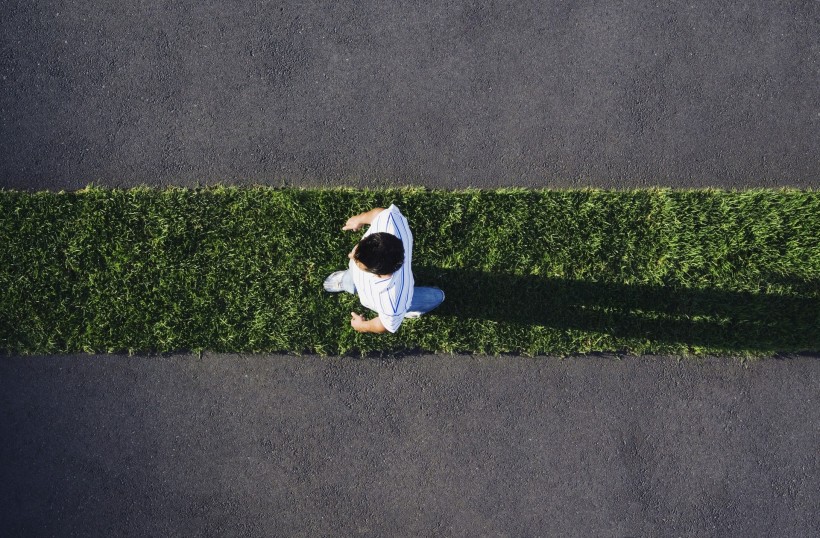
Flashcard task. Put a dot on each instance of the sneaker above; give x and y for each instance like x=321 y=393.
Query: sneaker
x=412 y=315
x=333 y=283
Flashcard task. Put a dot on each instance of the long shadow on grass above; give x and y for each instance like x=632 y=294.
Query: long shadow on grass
x=698 y=317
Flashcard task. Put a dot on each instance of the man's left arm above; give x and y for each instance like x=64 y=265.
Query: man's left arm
x=366 y=326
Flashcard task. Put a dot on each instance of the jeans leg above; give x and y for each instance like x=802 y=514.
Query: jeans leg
x=425 y=299
x=347 y=283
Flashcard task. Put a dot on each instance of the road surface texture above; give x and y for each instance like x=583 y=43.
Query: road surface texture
x=613 y=94
x=417 y=446
x=445 y=94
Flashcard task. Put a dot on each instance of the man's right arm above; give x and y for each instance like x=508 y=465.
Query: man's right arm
x=357 y=221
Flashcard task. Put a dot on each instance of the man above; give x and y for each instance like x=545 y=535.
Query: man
x=379 y=272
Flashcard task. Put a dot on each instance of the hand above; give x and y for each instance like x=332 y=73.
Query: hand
x=353 y=224
x=357 y=322
x=363 y=326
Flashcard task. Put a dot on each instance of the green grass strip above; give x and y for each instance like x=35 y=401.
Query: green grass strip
x=532 y=272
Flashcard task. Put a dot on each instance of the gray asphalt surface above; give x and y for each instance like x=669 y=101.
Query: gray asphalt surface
x=423 y=446
x=452 y=94
x=443 y=94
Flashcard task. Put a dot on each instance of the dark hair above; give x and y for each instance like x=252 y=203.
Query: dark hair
x=382 y=253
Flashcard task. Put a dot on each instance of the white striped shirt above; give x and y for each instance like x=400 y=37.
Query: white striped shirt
x=390 y=296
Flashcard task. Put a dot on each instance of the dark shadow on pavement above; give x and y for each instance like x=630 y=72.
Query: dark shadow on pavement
x=698 y=317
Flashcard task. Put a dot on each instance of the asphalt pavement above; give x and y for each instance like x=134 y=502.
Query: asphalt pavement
x=444 y=94
x=231 y=445
x=614 y=94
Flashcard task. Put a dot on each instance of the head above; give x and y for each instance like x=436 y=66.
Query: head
x=380 y=253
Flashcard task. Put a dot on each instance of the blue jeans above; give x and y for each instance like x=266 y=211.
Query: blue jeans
x=424 y=298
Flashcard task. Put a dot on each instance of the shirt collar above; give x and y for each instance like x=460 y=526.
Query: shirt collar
x=382 y=283
x=379 y=283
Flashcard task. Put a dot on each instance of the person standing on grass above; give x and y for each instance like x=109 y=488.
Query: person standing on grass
x=379 y=272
